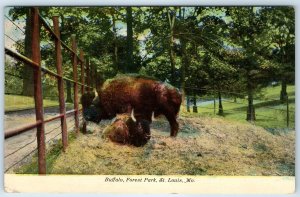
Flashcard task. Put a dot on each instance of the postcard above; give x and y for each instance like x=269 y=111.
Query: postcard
x=149 y=99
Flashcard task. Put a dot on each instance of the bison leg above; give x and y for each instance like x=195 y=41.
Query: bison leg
x=173 y=124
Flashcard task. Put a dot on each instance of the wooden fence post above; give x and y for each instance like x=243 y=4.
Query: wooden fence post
x=82 y=66
x=82 y=85
x=74 y=61
x=38 y=94
x=60 y=83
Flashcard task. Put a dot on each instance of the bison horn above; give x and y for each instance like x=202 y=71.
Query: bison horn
x=113 y=120
x=132 y=115
x=96 y=93
x=96 y=98
x=152 y=117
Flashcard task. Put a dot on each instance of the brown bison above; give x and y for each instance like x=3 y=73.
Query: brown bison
x=125 y=129
x=124 y=93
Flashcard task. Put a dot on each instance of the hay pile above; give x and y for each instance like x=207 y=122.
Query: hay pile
x=204 y=146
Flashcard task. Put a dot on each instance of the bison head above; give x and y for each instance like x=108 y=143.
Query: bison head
x=91 y=110
x=126 y=129
x=139 y=130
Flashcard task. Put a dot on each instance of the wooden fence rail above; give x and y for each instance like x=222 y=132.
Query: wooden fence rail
x=37 y=21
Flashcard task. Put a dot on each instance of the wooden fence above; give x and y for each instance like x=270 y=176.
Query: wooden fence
x=37 y=22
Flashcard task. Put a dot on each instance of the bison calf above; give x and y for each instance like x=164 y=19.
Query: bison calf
x=125 y=129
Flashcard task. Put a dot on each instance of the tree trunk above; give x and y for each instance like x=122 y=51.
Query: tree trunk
x=115 y=53
x=195 y=109
x=184 y=64
x=184 y=59
x=93 y=75
x=69 y=94
x=28 y=85
x=250 y=110
x=188 y=103
x=221 y=112
x=283 y=93
x=130 y=66
x=172 y=61
x=171 y=18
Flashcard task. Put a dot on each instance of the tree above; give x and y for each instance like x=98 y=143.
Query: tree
x=171 y=20
x=248 y=30
x=220 y=75
x=183 y=50
x=156 y=43
x=282 y=28
x=222 y=48
x=115 y=41
x=129 y=20
x=202 y=35
x=27 y=72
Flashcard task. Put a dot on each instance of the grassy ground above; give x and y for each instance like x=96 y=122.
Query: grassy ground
x=270 y=112
x=17 y=102
x=274 y=92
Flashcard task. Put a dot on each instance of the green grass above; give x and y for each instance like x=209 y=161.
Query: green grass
x=270 y=112
x=17 y=102
x=274 y=92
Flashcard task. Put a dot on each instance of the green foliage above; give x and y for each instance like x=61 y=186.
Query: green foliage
x=230 y=48
x=13 y=72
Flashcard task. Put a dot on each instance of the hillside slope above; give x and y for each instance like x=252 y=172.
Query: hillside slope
x=204 y=146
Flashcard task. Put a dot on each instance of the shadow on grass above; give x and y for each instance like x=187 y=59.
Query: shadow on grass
x=268 y=104
x=272 y=103
x=285 y=167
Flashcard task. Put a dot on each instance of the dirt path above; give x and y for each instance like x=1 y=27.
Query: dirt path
x=204 y=146
x=17 y=147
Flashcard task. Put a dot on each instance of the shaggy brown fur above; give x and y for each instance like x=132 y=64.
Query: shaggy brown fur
x=124 y=130
x=124 y=93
